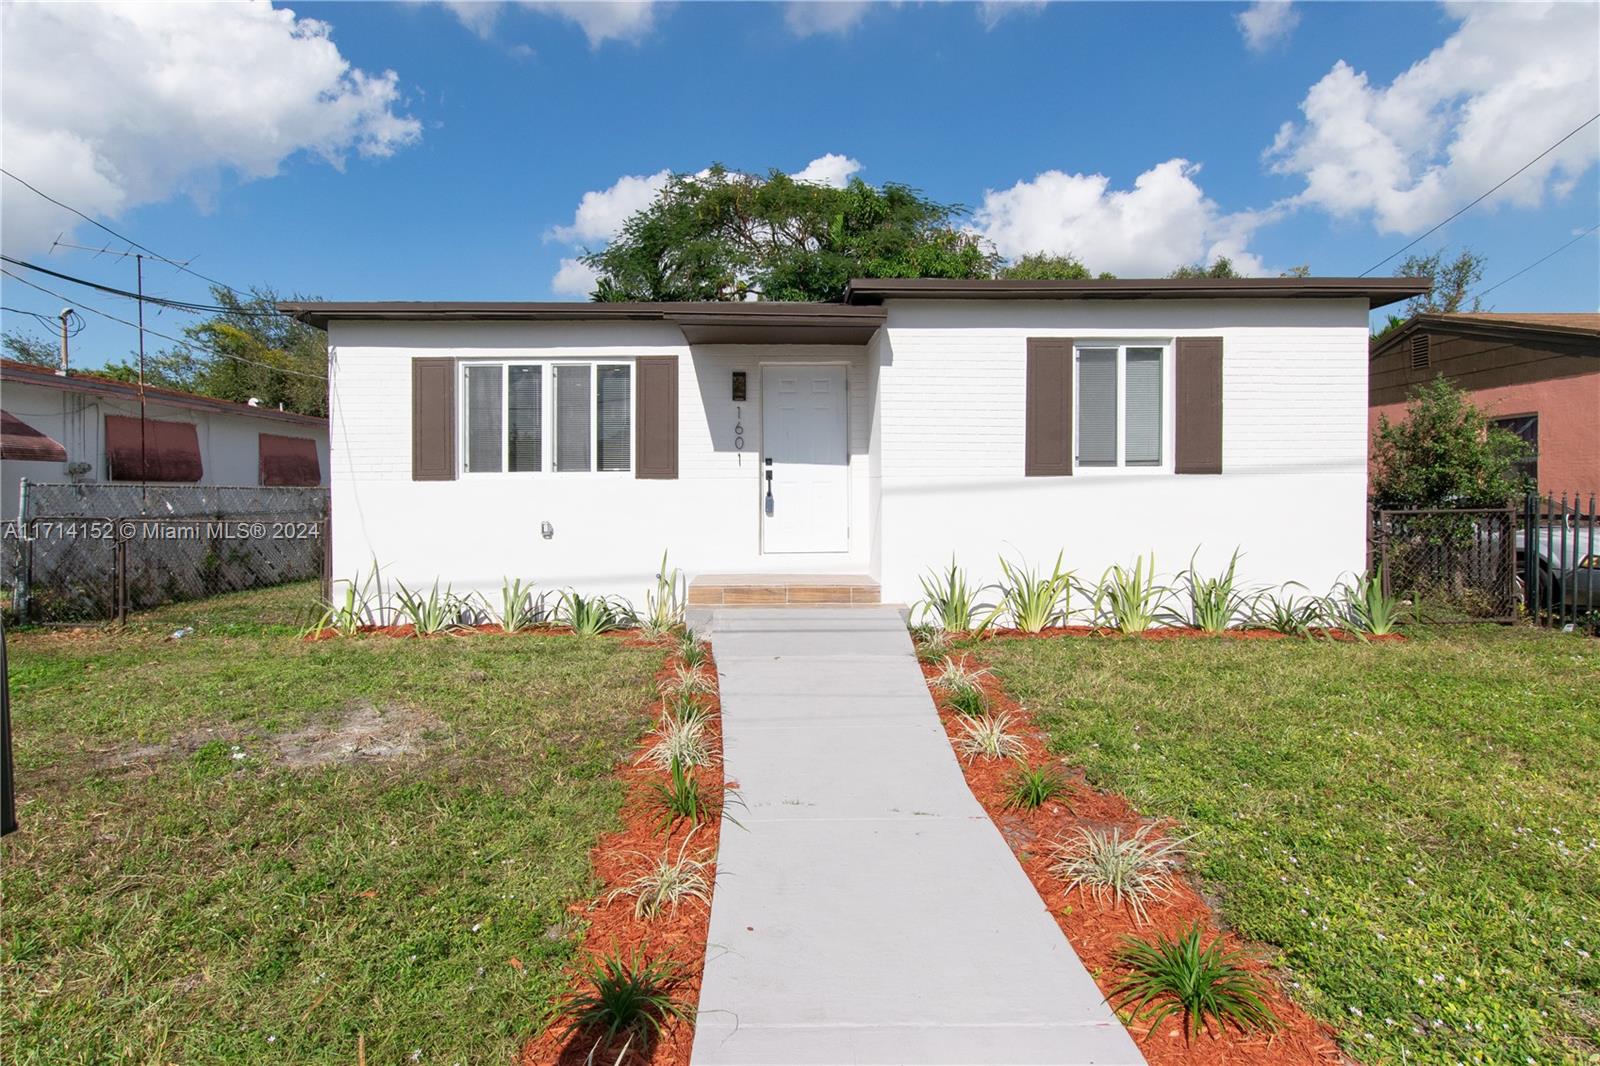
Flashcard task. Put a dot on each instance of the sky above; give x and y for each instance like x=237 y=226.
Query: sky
x=474 y=151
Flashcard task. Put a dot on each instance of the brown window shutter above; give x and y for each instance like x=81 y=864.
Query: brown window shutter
x=433 y=419
x=288 y=460
x=655 y=418
x=1047 y=448
x=1199 y=406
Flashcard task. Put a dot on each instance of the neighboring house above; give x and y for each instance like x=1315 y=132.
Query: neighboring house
x=838 y=451
x=84 y=428
x=1535 y=374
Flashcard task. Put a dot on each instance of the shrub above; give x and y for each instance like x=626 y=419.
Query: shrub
x=1034 y=601
x=1366 y=608
x=590 y=616
x=667 y=883
x=1201 y=982
x=1134 y=870
x=988 y=737
x=437 y=612
x=631 y=998
x=1129 y=599
x=967 y=699
x=680 y=741
x=1033 y=787
x=519 y=609
x=951 y=601
x=663 y=607
x=1214 y=602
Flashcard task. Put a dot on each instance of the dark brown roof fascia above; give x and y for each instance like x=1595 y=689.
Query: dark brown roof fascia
x=1584 y=341
x=25 y=373
x=1377 y=291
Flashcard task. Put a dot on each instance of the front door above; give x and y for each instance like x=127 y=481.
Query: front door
x=805 y=463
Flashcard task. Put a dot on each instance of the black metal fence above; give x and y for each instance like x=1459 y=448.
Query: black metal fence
x=93 y=552
x=1560 y=553
x=1452 y=564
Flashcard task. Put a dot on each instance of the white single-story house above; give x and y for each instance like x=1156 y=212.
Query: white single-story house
x=80 y=427
x=812 y=452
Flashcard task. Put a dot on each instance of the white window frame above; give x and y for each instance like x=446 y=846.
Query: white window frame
x=1168 y=379
x=547 y=417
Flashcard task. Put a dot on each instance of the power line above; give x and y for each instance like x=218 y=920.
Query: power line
x=164 y=336
x=183 y=266
x=50 y=320
x=177 y=305
x=1485 y=196
x=1536 y=262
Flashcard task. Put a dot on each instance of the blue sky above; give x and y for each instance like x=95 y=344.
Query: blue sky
x=1137 y=136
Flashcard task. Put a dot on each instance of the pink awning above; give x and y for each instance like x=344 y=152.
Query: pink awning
x=20 y=441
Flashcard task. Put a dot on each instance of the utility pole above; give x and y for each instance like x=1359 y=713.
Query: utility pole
x=144 y=462
x=65 y=316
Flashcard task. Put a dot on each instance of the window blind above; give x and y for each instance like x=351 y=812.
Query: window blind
x=1143 y=446
x=525 y=413
x=614 y=388
x=1097 y=407
x=483 y=419
x=574 y=411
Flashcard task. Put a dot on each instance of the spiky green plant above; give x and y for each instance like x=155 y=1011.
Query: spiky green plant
x=957 y=673
x=663 y=607
x=967 y=699
x=691 y=649
x=684 y=707
x=1034 y=601
x=681 y=740
x=931 y=642
x=1365 y=608
x=990 y=737
x=1031 y=787
x=1283 y=612
x=626 y=998
x=689 y=681
x=436 y=612
x=1133 y=870
x=668 y=882
x=519 y=608
x=357 y=607
x=951 y=601
x=590 y=616
x=1214 y=602
x=681 y=797
x=1202 y=983
x=1128 y=598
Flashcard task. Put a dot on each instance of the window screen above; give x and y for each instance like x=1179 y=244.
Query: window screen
x=525 y=415
x=1143 y=445
x=615 y=390
x=574 y=417
x=483 y=419
x=1097 y=407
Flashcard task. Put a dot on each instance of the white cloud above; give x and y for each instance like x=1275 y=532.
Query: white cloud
x=810 y=18
x=600 y=20
x=165 y=99
x=575 y=278
x=1506 y=85
x=832 y=170
x=1163 y=222
x=991 y=12
x=601 y=213
x=1266 y=23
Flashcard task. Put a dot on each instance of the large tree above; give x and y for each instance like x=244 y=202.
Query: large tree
x=1444 y=453
x=723 y=235
x=1222 y=268
x=1453 y=282
x=1042 y=266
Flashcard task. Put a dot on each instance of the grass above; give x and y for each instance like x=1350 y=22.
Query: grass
x=179 y=893
x=1412 y=825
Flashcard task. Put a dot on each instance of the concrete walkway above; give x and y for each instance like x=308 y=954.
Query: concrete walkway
x=868 y=912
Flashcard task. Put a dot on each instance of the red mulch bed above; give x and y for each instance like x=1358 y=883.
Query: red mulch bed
x=1185 y=633
x=1096 y=929
x=611 y=927
x=627 y=636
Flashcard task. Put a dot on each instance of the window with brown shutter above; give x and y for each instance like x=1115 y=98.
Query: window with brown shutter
x=152 y=449
x=433 y=419
x=1198 y=406
x=656 y=420
x=1047 y=422
x=288 y=460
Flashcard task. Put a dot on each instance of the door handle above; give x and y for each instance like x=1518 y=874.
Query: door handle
x=769 y=508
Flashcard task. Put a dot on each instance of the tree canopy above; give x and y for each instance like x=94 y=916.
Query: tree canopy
x=1222 y=268
x=1444 y=453
x=1453 y=282
x=722 y=235
x=1042 y=266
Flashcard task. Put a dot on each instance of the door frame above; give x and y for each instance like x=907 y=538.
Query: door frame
x=849 y=459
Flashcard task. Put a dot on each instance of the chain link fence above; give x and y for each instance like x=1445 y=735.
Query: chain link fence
x=94 y=552
x=1452 y=564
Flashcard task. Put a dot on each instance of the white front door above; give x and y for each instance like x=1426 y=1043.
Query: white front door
x=805 y=461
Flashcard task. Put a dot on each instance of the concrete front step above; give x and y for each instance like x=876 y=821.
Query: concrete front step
x=781 y=590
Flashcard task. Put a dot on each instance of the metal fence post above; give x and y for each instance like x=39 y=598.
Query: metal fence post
x=20 y=596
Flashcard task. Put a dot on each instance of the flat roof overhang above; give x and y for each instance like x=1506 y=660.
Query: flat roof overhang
x=705 y=322
x=1377 y=291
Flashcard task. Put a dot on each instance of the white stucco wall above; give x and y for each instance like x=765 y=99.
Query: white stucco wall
x=1291 y=497
x=609 y=529
x=229 y=442
x=936 y=455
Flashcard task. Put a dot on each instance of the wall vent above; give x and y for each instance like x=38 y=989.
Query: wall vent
x=1419 y=352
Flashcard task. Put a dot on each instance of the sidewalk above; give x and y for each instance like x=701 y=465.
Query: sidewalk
x=868 y=911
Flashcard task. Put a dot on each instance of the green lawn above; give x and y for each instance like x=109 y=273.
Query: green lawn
x=203 y=876
x=1416 y=826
